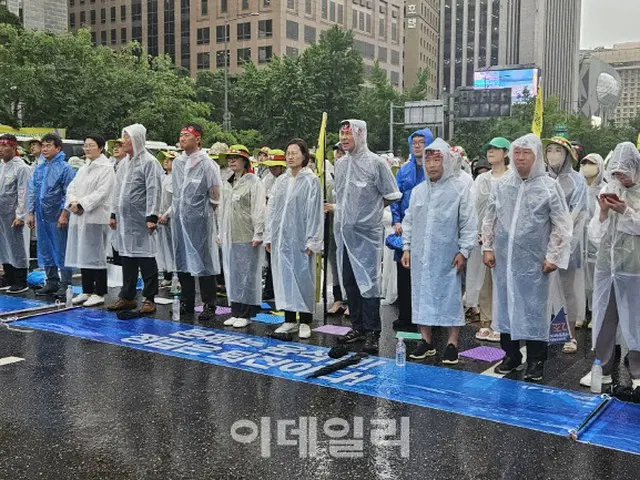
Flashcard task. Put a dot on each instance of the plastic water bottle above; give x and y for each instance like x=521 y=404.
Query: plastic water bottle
x=69 y=299
x=175 y=309
x=596 y=377
x=401 y=353
x=176 y=288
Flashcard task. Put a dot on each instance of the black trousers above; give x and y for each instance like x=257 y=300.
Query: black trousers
x=305 y=317
x=15 y=276
x=208 y=288
x=536 y=350
x=268 y=279
x=149 y=271
x=365 y=312
x=404 y=295
x=241 y=310
x=94 y=281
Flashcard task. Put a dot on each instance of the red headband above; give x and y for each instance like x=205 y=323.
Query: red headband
x=345 y=127
x=6 y=141
x=191 y=130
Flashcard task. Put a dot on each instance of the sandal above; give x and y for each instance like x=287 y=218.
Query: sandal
x=570 y=347
x=487 y=335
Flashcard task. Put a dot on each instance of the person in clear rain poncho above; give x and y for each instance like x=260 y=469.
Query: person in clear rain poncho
x=592 y=169
x=364 y=185
x=569 y=284
x=14 y=235
x=616 y=286
x=135 y=208
x=47 y=192
x=294 y=234
x=241 y=236
x=439 y=232
x=196 y=193
x=526 y=235
x=166 y=257
x=89 y=201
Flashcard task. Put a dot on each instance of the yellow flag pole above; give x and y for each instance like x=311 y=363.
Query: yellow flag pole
x=538 y=116
x=321 y=259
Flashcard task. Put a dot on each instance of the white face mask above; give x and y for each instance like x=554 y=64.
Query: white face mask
x=589 y=170
x=556 y=159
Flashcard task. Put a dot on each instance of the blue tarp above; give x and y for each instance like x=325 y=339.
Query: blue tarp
x=9 y=304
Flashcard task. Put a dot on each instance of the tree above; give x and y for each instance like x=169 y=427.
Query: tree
x=9 y=18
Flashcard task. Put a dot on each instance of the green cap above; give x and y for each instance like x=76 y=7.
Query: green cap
x=498 y=142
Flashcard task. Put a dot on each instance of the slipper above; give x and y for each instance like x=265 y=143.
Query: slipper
x=570 y=347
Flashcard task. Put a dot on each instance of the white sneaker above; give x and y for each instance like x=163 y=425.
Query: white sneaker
x=230 y=321
x=240 y=323
x=80 y=299
x=635 y=383
x=287 y=327
x=586 y=380
x=94 y=300
x=305 y=331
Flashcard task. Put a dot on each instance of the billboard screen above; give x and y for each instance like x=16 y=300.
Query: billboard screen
x=518 y=80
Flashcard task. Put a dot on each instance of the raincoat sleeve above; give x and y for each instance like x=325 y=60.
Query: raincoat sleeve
x=98 y=197
x=489 y=223
x=169 y=189
x=154 y=190
x=396 y=207
x=116 y=192
x=270 y=213
x=31 y=194
x=467 y=224
x=629 y=222
x=315 y=217
x=67 y=177
x=597 y=229
x=23 y=187
x=407 y=222
x=215 y=186
x=258 y=205
x=559 y=247
x=386 y=183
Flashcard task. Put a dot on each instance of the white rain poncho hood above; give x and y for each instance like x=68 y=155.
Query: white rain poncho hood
x=294 y=224
x=87 y=240
x=526 y=223
x=618 y=260
x=137 y=196
x=363 y=181
x=451 y=161
x=14 y=183
x=193 y=229
x=439 y=223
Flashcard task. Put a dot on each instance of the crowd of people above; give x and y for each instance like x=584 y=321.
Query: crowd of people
x=507 y=241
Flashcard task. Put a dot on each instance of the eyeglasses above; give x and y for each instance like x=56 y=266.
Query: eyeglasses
x=89 y=147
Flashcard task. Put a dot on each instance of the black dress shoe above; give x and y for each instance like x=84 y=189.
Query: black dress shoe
x=48 y=289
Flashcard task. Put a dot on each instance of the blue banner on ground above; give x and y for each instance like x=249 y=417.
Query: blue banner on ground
x=516 y=403
x=617 y=427
x=10 y=304
x=559 y=331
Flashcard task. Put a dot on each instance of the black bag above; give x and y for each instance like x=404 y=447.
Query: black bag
x=115 y=259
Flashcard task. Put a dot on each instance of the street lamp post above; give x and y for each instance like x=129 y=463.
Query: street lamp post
x=226 y=117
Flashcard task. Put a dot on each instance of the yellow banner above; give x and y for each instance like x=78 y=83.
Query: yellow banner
x=32 y=131
x=322 y=140
x=638 y=144
x=538 y=115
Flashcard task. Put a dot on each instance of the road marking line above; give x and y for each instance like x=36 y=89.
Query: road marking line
x=10 y=360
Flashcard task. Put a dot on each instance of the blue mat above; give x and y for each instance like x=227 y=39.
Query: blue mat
x=515 y=403
x=617 y=427
x=9 y=303
x=268 y=318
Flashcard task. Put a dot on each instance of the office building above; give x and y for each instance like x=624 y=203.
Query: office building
x=422 y=25
x=47 y=15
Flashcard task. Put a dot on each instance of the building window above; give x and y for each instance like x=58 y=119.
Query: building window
x=245 y=4
x=308 y=7
x=220 y=33
x=123 y=35
x=93 y=37
x=292 y=30
x=324 y=8
x=382 y=31
x=83 y=18
x=185 y=34
x=265 y=54
x=266 y=3
x=203 y=36
x=170 y=29
x=354 y=20
x=203 y=61
x=332 y=11
x=92 y=15
x=220 y=58
x=361 y=21
x=103 y=37
x=244 y=31
x=223 y=9
x=382 y=54
x=114 y=15
x=136 y=11
x=123 y=13
x=366 y=49
x=395 y=79
x=265 y=28
x=395 y=57
x=113 y=36
x=72 y=3
x=204 y=10
x=103 y=15
x=341 y=14
x=72 y=20
x=152 y=27
x=394 y=32
x=244 y=55
x=291 y=52
x=291 y=4
x=368 y=23
x=309 y=34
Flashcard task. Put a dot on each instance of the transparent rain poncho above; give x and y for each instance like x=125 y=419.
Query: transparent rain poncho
x=618 y=260
x=196 y=185
x=439 y=223
x=137 y=194
x=295 y=223
x=166 y=261
x=47 y=194
x=242 y=222
x=14 y=183
x=590 y=247
x=363 y=181
x=526 y=222
x=91 y=188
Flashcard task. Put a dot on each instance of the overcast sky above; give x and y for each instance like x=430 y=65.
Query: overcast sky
x=605 y=22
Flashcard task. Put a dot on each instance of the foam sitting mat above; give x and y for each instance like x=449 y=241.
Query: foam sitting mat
x=485 y=354
x=268 y=318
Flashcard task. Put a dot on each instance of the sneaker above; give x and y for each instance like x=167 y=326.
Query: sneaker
x=230 y=321
x=586 y=380
x=241 y=323
x=208 y=313
x=404 y=326
x=450 y=356
x=287 y=327
x=15 y=289
x=305 y=331
x=165 y=283
x=122 y=305
x=508 y=365
x=148 y=308
x=186 y=309
x=61 y=292
x=4 y=285
x=535 y=371
x=579 y=324
x=423 y=350
x=570 y=347
x=352 y=336
x=48 y=289
x=94 y=301
x=80 y=299
x=371 y=343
